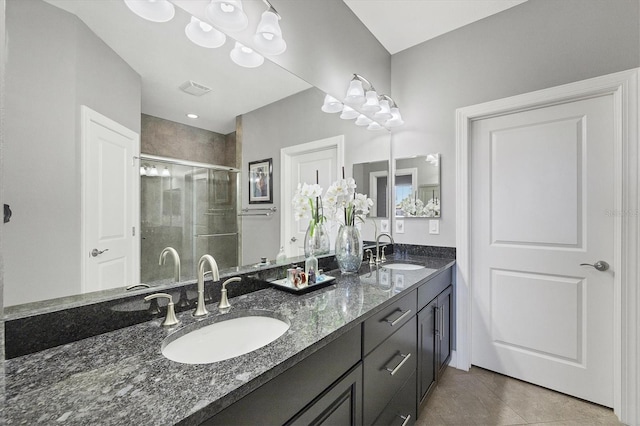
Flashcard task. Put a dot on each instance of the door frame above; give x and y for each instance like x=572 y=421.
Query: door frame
x=624 y=87
x=286 y=154
x=87 y=116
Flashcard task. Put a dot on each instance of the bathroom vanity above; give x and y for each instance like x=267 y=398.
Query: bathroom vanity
x=365 y=350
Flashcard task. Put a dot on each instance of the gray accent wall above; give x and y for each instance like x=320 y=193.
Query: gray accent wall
x=535 y=45
x=54 y=65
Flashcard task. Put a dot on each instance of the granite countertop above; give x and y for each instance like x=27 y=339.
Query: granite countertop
x=122 y=378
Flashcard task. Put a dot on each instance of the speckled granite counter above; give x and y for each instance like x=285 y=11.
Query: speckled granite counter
x=121 y=377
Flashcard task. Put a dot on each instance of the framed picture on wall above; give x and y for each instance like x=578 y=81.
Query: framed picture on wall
x=261 y=181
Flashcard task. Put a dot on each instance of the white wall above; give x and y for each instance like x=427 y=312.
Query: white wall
x=535 y=45
x=292 y=121
x=54 y=65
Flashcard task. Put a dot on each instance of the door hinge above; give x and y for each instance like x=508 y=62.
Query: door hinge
x=133 y=231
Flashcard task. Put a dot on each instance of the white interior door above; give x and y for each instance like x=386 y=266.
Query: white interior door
x=300 y=163
x=542 y=182
x=110 y=203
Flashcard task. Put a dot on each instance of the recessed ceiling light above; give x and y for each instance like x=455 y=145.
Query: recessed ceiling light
x=191 y=115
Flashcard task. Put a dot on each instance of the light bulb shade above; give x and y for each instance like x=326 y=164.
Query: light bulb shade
x=227 y=15
x=363 y=120
x=385 y=111
x=153 y=171
x=152 y=10
x=143 y=171
x=166 y=172
x=268 y=38
x=331 y=104
x=203 y=34
x=349 y=113
x=245 y=56
x=396 y=118
x=355 y=93
x=374 y=126
x=372 y=104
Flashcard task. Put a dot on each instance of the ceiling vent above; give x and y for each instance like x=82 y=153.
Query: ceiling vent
x=193 y=88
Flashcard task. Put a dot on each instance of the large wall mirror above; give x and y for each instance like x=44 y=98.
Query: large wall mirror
x=67 y=53
x=417 y=186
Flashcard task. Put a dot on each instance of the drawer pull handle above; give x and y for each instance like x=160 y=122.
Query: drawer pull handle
x=406 y=419
x=395 y=370
x=400 y=318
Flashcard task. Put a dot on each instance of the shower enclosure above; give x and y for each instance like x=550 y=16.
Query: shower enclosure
x=192 y=207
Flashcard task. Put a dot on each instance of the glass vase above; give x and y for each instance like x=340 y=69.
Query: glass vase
x=349 y=249
x=316 y=240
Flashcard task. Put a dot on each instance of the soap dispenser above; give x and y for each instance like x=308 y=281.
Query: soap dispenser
x=311 y=268
x=281 y=258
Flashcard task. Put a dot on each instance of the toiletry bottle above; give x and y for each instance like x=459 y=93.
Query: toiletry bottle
x=281 y=258
x=310 y=268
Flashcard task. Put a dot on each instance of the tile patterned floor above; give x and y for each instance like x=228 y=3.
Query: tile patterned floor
x=482 y=397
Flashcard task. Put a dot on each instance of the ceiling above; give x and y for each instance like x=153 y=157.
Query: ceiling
x=165 y=58
x=400 y=24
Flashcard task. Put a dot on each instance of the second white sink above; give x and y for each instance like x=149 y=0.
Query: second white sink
x=403 y=266
x=224 y=340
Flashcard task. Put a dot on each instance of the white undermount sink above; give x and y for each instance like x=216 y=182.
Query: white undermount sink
x=224 y=339
x=403 y=266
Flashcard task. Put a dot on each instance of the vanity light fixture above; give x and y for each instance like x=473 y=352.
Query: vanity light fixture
x=246 y=56
x=363 y=120
x=331 y=105
x=153 y=172
x=166 y=172
x=203 y=34
x=152 y=10
x=192 y=115
x=227 y=15
x=385 y=111
x=268 y=38
x=374 y=125
x=143 y=170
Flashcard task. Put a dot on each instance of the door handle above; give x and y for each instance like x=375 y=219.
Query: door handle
x=96 y=252
x=600 y=265
x=294 y=239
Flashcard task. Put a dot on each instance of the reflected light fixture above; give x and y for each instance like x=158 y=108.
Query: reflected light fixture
x=331 y=104
x=363 y=102
x=246 y=56
x=363 y=120
x=153 y=171
x=192 y=115
x=152 y=10
x=227 y=15
x=203 y=34
x=166 y=172
x=143 y=170
x=349 y=113
x=268 y=38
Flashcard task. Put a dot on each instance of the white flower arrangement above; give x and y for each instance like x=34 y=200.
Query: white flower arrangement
x=344 y=205
x=307 y=204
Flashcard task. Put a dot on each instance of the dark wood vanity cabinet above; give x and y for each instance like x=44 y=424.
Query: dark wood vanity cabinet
x=435 y=301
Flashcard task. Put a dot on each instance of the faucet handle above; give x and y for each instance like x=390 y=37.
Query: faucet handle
x=370 y=253
x=382 y=257
x=224 y=301
x=171 y=319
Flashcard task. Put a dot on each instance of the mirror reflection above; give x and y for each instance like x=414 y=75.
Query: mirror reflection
x=68 y=53
x=417 y=186
x=373 y=178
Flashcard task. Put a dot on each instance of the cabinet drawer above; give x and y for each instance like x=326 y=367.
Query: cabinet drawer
x=389 y=320
x=401 y=411
x=432 y=288
x=387 y=368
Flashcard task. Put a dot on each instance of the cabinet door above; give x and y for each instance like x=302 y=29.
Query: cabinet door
x=339 y=405
x=444 y=328
x=427 y=349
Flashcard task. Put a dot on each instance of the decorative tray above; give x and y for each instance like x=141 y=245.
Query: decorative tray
x=283 y=284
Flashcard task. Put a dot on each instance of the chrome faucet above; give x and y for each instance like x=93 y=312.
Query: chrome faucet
x=201 y=310
x=176 y=261
x=383 y=234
